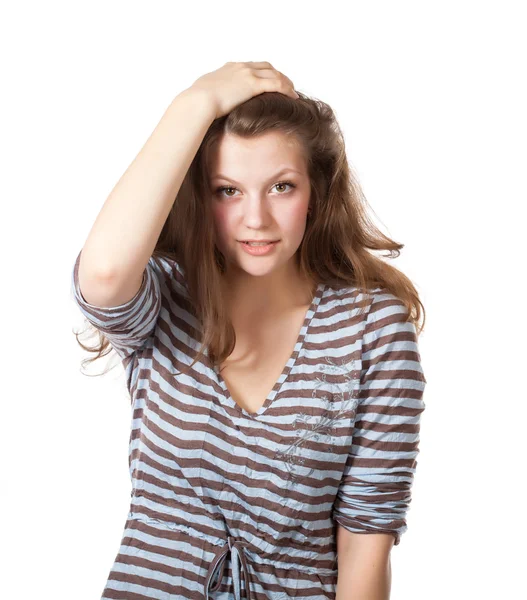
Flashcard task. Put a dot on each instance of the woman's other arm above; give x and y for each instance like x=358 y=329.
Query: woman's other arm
x=364 y=568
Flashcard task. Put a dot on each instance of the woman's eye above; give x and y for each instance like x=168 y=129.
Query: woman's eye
x=223 y=188
x=291 y=185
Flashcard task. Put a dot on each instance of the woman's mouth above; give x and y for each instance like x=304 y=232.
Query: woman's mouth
x=258 y=248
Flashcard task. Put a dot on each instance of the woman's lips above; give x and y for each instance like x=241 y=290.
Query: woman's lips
x=259 y=250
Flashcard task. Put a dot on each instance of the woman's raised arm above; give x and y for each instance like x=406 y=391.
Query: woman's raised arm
x=126 y=231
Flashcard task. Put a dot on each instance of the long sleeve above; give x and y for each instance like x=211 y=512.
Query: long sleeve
x=128 y=326
x=375 y=490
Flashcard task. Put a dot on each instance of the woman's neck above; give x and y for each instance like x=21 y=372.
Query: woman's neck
x=259 y=297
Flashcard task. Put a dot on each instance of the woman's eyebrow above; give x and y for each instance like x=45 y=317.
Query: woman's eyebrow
x=275 y=176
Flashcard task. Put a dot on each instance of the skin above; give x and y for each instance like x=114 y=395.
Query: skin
x=255 y=207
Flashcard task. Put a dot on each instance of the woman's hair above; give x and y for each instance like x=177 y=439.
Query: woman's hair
x=339 y=240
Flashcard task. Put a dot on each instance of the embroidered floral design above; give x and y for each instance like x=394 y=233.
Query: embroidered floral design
x=313 y=428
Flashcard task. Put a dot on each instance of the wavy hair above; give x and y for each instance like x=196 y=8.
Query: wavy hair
x=340 y=237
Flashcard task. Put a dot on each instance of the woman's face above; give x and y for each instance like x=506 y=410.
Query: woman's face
x=265 y=197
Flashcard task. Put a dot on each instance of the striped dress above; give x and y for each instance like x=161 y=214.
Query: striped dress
x=228 y=504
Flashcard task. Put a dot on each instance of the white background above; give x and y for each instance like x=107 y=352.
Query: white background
x=431 y=97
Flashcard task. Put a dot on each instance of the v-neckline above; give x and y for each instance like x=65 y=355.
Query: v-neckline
x=227 y=396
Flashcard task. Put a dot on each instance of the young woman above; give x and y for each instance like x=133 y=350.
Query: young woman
x=271 y=357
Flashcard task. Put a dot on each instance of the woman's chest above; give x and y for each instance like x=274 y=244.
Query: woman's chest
x=261 y=354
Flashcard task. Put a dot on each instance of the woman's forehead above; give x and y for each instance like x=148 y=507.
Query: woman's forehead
x=271 y=153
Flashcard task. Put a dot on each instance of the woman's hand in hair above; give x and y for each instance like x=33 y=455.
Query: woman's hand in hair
x=237 y=82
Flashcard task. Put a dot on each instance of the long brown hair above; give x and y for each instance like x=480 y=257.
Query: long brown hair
x=339 y=238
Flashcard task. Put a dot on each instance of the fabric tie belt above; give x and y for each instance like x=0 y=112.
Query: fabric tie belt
x=218 y=566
